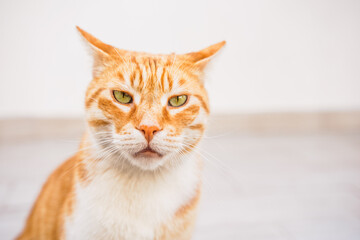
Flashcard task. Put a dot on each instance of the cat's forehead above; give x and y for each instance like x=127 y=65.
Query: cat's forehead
x=153 y=73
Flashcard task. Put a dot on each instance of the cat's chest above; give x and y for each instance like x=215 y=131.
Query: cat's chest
x=112 y=207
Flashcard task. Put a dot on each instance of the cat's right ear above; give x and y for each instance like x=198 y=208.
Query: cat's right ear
x=101 y=51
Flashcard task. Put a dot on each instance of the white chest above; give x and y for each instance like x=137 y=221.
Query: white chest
x=129 y=207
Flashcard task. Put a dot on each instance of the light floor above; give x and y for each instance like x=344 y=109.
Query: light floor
x=257 y=186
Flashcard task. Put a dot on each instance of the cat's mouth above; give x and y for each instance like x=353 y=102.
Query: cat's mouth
x=148 y=153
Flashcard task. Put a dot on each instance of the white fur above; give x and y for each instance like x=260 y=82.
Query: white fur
x=149 y=119
x=132 y=205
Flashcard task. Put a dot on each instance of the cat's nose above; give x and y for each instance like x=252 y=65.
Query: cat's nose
x=149 y=131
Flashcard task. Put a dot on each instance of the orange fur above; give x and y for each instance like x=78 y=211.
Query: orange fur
x=152 y=77
x=53 y=204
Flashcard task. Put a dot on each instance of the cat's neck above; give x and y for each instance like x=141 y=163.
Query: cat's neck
x=134 y=201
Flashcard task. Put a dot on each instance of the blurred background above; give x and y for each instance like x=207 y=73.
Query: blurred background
x=282 y=151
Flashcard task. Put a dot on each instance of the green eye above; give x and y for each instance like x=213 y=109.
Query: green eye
x=122 y=97
x=178 y=101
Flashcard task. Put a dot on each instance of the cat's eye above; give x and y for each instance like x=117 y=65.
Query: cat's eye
x=178 y=101
x=122 y=97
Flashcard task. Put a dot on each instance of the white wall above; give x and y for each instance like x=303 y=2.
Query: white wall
x=282 y=55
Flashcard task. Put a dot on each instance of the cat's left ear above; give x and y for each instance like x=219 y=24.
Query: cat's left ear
x=203 y=57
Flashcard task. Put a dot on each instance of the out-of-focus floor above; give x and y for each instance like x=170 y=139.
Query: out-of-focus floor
x=257 y=186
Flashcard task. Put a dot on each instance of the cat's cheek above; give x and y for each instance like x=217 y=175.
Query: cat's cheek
x=94 y=113
x=126 y=130
x=182 y=120
x=182 y=117
x=201 y=119
x=115 y=113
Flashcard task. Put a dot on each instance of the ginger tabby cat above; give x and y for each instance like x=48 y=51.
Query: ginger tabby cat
x=135 y=176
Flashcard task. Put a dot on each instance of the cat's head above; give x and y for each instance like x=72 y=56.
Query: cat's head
x=146 y=109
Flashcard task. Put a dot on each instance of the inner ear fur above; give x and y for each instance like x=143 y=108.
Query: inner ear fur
x=201 y=58
x=100 y=51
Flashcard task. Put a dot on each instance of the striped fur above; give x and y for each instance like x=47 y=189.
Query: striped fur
x=109 y=191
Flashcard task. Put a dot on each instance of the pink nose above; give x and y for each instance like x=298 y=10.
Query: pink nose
x=148 y=131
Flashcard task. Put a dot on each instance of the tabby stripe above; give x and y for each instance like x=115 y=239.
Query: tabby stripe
x=162 y=79
x=182 y=82
x=141 y=80
x=203 y=104
x=120 y=76
x=93 y=97
x=155 y=67
x=197 y=127
x=136 y=80
x=132 y=78
x=152 y=66
x=170 y=81
x=98 y=123
x=190 y=205
x=143 y=76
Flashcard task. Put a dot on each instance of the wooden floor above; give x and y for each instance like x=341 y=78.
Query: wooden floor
x=258 y=186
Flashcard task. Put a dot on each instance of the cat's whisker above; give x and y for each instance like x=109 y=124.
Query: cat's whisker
x=228 y=173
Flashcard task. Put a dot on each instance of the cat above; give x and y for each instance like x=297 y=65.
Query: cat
x=136 y=175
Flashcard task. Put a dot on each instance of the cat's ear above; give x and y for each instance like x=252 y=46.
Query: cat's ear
x=101 y=52
x=203 y=57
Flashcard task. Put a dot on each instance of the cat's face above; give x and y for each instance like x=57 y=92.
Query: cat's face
x=148 y=110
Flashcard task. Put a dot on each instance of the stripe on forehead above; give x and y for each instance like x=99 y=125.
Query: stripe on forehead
x=150 y=73
x=152 y=66
x=144 y=76
x=160 y=76
x=166 y=80
x=135 y=81
x=148 y=70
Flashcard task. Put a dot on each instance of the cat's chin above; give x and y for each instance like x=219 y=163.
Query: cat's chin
x=147 y=161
